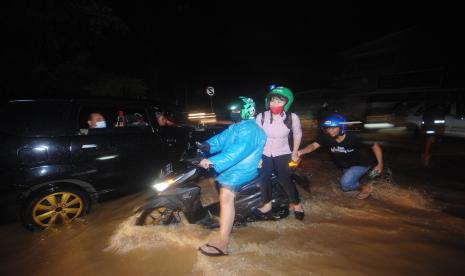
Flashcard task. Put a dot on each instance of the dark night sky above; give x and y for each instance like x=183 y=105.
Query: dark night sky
x=186 y=45
x=249 y=46
x=211 y=41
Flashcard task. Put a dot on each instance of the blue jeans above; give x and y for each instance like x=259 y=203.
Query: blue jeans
x=351 y=176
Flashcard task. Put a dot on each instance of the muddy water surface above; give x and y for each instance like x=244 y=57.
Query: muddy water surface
x=400 y=230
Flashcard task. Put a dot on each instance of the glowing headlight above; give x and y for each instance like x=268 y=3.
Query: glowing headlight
x=161 y=186
x=439 y=121
x=165 y=184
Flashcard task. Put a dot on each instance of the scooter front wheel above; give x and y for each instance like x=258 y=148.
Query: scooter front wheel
x=156 y=216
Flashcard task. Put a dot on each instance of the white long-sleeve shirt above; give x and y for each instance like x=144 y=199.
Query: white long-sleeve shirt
x=277 y=133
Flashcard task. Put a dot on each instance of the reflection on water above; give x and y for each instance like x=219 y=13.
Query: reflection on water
x=396 y=231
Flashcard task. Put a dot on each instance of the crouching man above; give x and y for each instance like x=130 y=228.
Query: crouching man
x=349 y=153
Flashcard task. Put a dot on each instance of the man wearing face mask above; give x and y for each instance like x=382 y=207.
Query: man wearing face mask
x=96 y=120
x=284 y=133
x=239 y=149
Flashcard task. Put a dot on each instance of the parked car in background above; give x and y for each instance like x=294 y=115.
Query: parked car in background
x=440 y=117
x=454 y=124
x=414 y=117
x=446 y=119
x=53 y=165
x=392 y=110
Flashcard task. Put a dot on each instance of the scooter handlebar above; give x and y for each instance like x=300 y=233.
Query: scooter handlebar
x=203 y=147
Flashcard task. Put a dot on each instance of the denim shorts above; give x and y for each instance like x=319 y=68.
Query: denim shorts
x=232 y=188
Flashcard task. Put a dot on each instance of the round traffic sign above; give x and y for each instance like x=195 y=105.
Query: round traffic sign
x=210 y=91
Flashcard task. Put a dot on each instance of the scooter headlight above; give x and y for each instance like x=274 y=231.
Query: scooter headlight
x=161 y=186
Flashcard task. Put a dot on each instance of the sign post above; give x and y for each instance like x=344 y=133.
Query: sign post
x=211 y=92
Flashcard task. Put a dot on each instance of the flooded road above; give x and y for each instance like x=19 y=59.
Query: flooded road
x=400 y=230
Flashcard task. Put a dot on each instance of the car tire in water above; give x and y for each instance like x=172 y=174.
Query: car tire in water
x=54 y=206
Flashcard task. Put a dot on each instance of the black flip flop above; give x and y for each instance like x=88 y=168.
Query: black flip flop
x=218 y=252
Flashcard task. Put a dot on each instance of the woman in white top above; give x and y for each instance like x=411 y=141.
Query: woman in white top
x=280 y=126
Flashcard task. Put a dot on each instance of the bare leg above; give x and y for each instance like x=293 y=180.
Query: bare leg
x=297 y=207
x=227 y=213
x=265 y=184
x=265 y=208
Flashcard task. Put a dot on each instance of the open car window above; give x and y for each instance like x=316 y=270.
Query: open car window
x=102 y=120
x=164 y=118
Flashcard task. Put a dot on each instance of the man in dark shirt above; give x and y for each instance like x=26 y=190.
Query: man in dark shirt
x=349 y=153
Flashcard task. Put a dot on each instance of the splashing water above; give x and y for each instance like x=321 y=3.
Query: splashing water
x=336 y=224
x=129 y=236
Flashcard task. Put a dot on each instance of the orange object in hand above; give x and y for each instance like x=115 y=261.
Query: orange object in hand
x=293 y=164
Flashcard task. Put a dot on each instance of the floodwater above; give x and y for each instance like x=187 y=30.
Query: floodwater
x=400 y=230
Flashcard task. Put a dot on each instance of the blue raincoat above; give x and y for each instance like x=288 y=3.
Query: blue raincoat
x=240 y=149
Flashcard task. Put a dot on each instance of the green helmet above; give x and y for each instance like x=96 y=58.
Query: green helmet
x=281 y=91
x=245 y=105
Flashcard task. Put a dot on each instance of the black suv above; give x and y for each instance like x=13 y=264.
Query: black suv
x=54 y=161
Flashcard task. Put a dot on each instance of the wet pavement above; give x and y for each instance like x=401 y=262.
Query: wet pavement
x=412 y=225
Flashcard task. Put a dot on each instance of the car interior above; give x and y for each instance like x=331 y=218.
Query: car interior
x=130 y=118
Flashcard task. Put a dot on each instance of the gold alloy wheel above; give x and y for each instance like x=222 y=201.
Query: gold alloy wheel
x=56 y=208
